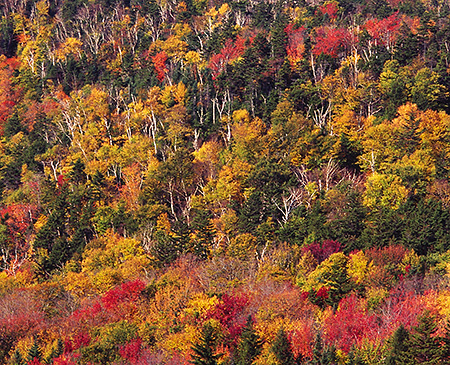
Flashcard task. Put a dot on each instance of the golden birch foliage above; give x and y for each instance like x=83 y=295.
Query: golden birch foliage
x=174 y=46
x=174 y=290
x=207 y=159
x=194 y=58
x=384 y=191
x=112 y=259
x=359 y=266
x=443 y=303
x=181 y=341
x=434 y=132
x=137 y=150
x=130 y=191
x=378 y=145
x=248 y=136
x=225 y=226
x=106 y=279
x=375 y=296
x=163 y=224
x=419 y=164
x=71 y=46
x=105 y=158
x=214 y=17
x=243 y=246
x=410 y=262
x=79 y=284
x=200 y=304
x=221 y=191
x=34 y=38
x=241 y=116
x=323 y=275
x=179 y=93
x=282 y=263
x=96 y=106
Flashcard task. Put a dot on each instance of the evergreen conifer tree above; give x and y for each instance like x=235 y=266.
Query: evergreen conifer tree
x=249 y=346
x=322 y=355
x=17 y=358
x=398 y=345
x=422 y=346
x=282 y=349
x=56 y=351
x=204 y=350
x=34 y=352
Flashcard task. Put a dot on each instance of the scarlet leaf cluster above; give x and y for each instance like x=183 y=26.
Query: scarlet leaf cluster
x=8 y=94
x=321 y=251
x=296 y=43
x=330 y=9
x=230 y=52
x=384 y=30
x=132 y=351
x=159 y=62
x=127 y=292
x=229 y=313
x=331 y=41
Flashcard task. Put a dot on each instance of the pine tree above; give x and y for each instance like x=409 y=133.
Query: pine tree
x=204 y=230
x=398 y=345
x=354 y=359
x=56 y=351
x=281 y=347
x=422 y=346
x=34 y=352
x=317 y=350
x=249 y=346
x=322 y=355
x=166 y=248
x=445 y=349
x=204 y=350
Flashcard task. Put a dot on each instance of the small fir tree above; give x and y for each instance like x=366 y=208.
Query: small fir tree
x=204 y=350
x=282 y=349
x=398 y=345
x=249 y=346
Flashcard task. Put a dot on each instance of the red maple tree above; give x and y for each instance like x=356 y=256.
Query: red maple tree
x=296 y=43
x=331 y=41
x=159 y=61
x=230 y=52
x=384 y=31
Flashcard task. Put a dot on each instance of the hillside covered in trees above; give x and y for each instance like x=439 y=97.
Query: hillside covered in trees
x=224 y=182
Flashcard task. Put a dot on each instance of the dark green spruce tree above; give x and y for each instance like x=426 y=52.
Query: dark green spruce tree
x=282 y=349
x=322 y=355
x=398 y=345
x=249 y=347
x=205 y=349
x=423 y=346
x=34 y=352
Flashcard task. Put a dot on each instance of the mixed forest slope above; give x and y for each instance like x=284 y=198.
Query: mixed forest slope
x=241 y=182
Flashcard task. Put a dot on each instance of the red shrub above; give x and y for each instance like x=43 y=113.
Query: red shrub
x=132 y=351
x=322 y=251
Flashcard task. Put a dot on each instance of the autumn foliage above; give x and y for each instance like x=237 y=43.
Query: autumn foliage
x=230 y=52
x=224 y=182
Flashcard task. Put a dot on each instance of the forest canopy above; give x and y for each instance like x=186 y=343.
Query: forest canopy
x=224 y=182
